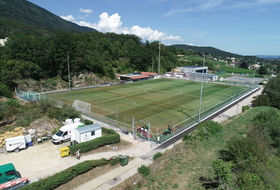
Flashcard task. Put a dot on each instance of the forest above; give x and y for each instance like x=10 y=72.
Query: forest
x=41 y=56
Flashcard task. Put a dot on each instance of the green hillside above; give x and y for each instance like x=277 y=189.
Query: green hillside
x=210 y=50
x=30 y=14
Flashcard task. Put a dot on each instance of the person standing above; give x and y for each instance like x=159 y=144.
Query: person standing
x=78 y=154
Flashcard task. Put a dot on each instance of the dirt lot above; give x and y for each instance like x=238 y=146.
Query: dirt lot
x=43 y=160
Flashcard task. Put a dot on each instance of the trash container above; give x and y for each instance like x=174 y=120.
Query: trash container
x=64 y=151
x=124 y=160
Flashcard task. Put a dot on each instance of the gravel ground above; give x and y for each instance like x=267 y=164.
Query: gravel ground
x=43 y=160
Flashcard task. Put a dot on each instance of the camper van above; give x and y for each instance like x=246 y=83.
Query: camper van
x=65 y=132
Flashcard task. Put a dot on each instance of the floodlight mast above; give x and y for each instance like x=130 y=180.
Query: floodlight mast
x=68 y=72
x=158 y=56
x=254 y=71
x=201 y=87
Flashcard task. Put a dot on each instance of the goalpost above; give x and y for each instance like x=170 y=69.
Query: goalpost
x=82 y=106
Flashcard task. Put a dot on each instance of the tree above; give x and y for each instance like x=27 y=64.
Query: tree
x=272 y=90
x=263 y=71
x=260 y=100
x=244 y=65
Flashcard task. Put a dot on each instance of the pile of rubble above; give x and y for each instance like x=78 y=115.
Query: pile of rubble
x=15 y=133
x=39 y=128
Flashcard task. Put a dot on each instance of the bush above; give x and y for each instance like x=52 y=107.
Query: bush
x=157 y=155
x=65 y=176
x=13 y=102
x=87 y=122
x=208 y=128
x=110 y=138
x=115 y=161
x=5 y=91
x=244 y=108
x=144 y=170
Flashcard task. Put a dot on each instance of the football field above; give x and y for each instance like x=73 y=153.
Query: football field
x=159 y=102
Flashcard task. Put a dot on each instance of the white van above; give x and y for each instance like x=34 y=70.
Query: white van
x=17 y=143
x=65 y=132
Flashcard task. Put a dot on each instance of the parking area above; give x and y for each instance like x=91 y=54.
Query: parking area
x=43 y=159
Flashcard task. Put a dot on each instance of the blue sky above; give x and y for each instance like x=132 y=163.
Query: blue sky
x=245 y=27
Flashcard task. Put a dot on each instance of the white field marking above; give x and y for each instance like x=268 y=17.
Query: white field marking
x=151 y=116
x=146 y=90
x=118 y=99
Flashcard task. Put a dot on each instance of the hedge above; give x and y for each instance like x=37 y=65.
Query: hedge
x=110 y=138
x=65 y=176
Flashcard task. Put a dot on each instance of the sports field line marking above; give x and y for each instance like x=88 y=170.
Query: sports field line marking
x=146 y=91
x=151 y=116
x=118 y=99
x=209 y=100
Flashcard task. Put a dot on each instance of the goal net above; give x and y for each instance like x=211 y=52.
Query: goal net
x=82 y=106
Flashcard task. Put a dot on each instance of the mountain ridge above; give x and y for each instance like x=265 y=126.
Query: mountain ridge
x=28 y=13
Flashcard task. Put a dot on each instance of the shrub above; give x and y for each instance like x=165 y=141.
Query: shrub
x=5 y=91
x=144 y=170
x=244 y=108
x=207 y=129
x=186 y=137
x=65 y=176
x=115 y=161
x=157 y=155
x=110 y=138
x=13 y=102
x=87 y=122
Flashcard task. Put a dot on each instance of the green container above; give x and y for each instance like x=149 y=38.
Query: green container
x=124 y=160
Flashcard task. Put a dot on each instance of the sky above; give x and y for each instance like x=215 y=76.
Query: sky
x=244 y=27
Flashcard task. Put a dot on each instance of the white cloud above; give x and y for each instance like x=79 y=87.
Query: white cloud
x=85 y=10
x=214 y=5
x=171 y=37
x=68 y=18
x=113 y=24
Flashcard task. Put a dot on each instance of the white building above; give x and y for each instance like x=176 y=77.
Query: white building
x=3 y=41
x=192 y=69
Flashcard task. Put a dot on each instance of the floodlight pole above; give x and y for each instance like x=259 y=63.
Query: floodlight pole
x=254 y=72
x=68 y=71
x=201 y=87
x=158 y=56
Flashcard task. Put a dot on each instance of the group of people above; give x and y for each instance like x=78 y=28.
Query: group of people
x=141 y=129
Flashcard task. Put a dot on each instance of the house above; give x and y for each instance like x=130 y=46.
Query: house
x=3 y=41
x=233 y=64
x=254 y=67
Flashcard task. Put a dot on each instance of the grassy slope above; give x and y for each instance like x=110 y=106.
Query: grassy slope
x=182 y=166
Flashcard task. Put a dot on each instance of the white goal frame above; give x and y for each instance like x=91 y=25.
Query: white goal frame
x=82 y=106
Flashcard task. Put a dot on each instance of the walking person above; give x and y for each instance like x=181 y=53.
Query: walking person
x=78 y=154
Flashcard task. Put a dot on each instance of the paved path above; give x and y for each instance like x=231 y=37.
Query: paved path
x=120 y=174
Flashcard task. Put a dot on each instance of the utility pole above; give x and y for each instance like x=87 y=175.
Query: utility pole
x=69 y=81
x=153 y=64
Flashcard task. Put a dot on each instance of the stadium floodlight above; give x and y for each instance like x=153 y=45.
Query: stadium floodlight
x=201 y=87
x=158 y=56
x=68 y=71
